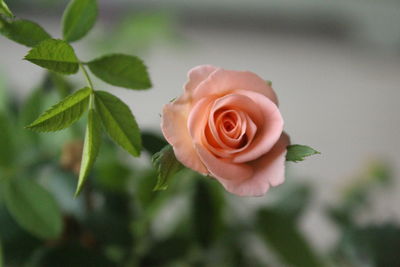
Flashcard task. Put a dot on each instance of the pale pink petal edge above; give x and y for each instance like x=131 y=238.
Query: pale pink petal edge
x=269 y=171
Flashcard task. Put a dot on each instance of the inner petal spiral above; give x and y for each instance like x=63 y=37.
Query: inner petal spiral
x=228 y=131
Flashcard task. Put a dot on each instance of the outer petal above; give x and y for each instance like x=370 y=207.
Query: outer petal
x=269 y=170
x=197 y=75
x=272 y=164
x=221 y=82
x=174 y=128
x=175 y=116
x=223 y=170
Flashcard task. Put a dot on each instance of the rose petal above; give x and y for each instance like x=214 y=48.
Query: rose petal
x=222 y=169
x=233 y=138
x=246 y=109
x=269 y=170
x=174 y=128
x=272 y=164
x=268 y=132
x=240 y=102
x=250 y=131
x=197 y=125
x=217 y=133
x=221 y=82
x=197 y=75
x=197 y=119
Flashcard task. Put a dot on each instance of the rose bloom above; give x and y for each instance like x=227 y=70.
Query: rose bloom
x=227 y=125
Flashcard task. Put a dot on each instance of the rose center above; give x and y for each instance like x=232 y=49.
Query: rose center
x=229 y=125
x=230 y=128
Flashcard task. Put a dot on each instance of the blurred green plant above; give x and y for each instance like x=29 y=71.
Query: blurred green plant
x=140 y=32
x=59 y=56
x=365 y=244
x=118 y=219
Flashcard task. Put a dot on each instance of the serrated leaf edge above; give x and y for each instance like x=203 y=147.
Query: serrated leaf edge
x=314 y=152
x=136 y=152
x=40 y=119
x=91 y=133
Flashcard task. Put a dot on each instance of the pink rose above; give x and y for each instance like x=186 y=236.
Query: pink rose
x=227 y=124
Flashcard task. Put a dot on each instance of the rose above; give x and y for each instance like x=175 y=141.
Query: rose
x=227 y=125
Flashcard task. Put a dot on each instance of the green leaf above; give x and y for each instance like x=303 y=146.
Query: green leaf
x=68 y=254
x=55 y=55
x=167 y=166
x=297 y=153
x=121 y=70
x=207 y=208
x=90 y=149
x=294 y=201
x=4 y=95
x=62 y=85
x=24 y=32
x=18 y=244
x=31 y=109
x=64 y=113
x=370 y=245
x=32 y=106
x=281 y=234
x=153 y=142
x=112 y=176
x=7 y=146
x=170 y=249
x=1 y=255
x=119 y=122
x=78 y=18
x=33 y=207
x=5 y=10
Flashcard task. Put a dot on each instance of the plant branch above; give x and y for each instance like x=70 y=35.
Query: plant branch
x=87 y=77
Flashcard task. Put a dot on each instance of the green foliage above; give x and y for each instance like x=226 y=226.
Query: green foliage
x=7 y=147
x=121 y=70
x=282 y=235
x=91 y=147
x=207 y=207
x=4 y=96
x=293 y=202
x=171 y=249
x=356 y=196
x=167 y=166
x=32 y=107
x=297 y=153
x=119 y=122
x=79 y=17
x=33 y=207
x=4 y=10
x=58 y=56
x=69 y=254
x=63 y=86
x=55 y=55
x=17 y=243
x=1 y=255
x=112 y=175
x=153 y=142
x=116 y=222
x=64 y=113
x=371 y=245
x=141 y=32
x=24 y=32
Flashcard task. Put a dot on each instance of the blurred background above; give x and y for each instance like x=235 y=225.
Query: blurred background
x=334 y=65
